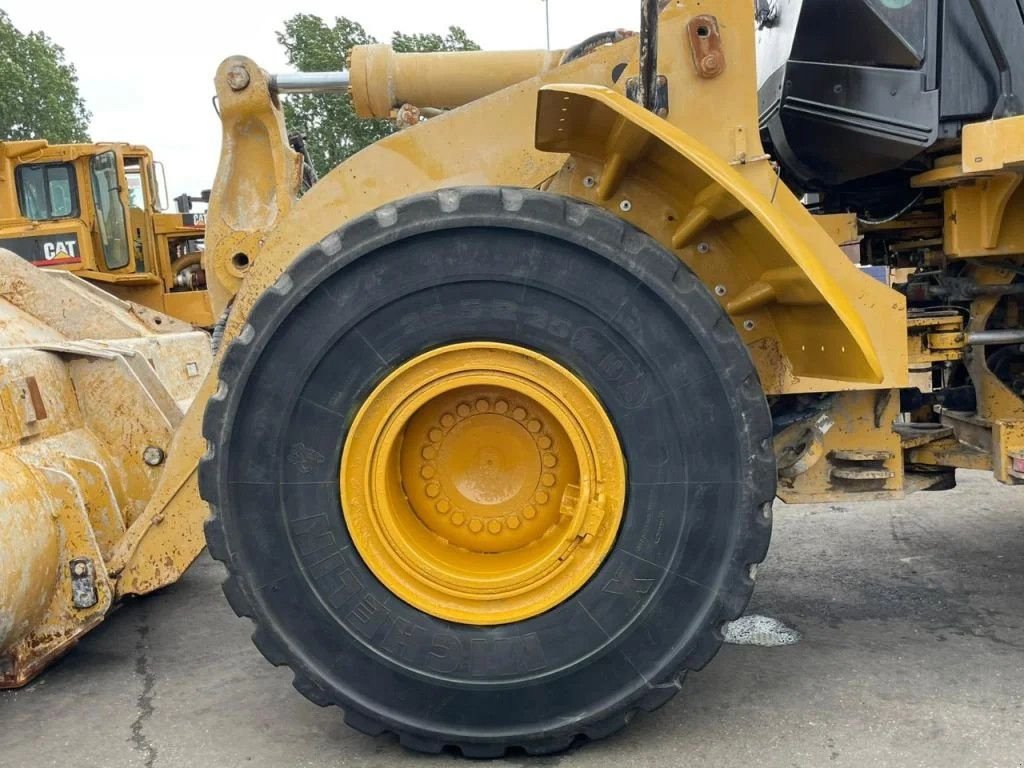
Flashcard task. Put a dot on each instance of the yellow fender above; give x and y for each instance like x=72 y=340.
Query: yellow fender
x=805 y=309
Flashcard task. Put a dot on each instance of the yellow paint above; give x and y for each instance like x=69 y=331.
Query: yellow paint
x=985 y=217
x=87 y=385
x=383 y=80
x=482 y=483
x=936 y=338
x=994 y=145
x=29 y=549
x=841 y=227
x=821 y=330
x=983 y=195
x=858 y=424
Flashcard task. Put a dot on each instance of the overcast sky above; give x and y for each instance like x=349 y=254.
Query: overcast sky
x=146 y=69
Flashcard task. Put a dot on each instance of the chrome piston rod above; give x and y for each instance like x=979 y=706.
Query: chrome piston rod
x=979 y=338
x=310 y=82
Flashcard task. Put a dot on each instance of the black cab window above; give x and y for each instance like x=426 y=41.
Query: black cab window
x=47 y=191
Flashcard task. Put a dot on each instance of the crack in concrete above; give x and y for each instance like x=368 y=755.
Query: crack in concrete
x=144 y=703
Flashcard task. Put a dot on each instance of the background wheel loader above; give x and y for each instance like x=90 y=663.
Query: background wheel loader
x=491 y=450
x=99 y=210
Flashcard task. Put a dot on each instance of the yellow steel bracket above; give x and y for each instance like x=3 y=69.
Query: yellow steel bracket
x=783 y=267
x=994 y=145
x=257 y=177
x=984 y=195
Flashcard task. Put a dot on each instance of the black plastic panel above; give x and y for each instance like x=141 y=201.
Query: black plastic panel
x=970 y=82
x=863 y=32
x=851 y=89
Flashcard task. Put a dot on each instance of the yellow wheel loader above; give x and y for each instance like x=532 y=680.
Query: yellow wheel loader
x=491 y=447
x=99 y=210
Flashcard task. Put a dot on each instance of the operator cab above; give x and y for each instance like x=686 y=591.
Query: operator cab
x=98 y=210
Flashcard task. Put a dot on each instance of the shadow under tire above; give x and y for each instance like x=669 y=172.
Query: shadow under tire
x=598 y=297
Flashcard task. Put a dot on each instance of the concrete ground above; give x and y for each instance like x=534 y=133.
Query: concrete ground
x=912 y=617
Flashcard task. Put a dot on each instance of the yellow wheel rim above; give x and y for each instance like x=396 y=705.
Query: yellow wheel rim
x=482 y=483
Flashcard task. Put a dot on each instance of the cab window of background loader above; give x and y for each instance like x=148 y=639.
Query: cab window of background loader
x=47 y=191
x=136 y=186
x=110 y=215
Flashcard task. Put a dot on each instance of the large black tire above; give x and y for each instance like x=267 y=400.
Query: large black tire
x=602 y=299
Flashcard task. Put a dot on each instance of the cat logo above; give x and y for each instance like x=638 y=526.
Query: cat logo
x=60 y=250
x=45 y=250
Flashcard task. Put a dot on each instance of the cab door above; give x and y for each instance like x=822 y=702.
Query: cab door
x=141 y=207
x=112 y=237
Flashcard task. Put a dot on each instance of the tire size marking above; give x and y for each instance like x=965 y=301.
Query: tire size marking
x=312 y=536
x=523 y=653
x=368 y=616
x=487 y=657
x=630 y=383
x=365 y=614
x=305 y=459
x=626 y=584
x=443 y=652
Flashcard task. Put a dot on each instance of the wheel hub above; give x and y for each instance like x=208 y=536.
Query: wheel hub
x=480 y=467
x=482 y=483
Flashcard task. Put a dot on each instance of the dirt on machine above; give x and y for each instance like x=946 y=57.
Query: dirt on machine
x=491 y=445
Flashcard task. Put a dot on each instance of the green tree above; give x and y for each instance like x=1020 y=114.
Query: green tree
x=39 y=95
x=328 y=121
